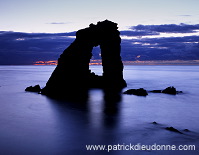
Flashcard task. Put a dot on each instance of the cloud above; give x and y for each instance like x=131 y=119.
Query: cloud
x=167 y=28
x=59 y=23
x=26 y=48
x=185 y=15
x=138 y=33
x=160 y=48
x=19 y=48
x=171 y=48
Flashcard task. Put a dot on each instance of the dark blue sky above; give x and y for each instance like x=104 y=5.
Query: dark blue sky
x=141 y=42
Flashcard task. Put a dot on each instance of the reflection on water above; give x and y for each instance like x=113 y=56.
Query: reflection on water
x=83 y=123
x=100 y=109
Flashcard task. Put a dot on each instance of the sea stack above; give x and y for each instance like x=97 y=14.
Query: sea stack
x=72 y=74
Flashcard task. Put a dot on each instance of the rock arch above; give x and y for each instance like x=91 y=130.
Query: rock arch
x=72 y=72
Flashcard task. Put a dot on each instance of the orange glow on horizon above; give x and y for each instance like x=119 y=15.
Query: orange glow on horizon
x=137 y=62
x=54 y=62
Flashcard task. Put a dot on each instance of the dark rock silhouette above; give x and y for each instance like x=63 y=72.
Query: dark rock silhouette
x=143 y=92
x=156 y=91
x=139 y=92
x=154 y=123
x=186 y=130
x=173 y=129
x=36 y=88
x=72 y=76
x=170 y=90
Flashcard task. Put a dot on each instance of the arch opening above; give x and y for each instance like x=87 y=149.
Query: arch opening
x=95 y=64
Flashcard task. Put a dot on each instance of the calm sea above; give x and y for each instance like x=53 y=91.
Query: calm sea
x=35 y=124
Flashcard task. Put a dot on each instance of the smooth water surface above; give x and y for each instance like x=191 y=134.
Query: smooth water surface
x=35 y=124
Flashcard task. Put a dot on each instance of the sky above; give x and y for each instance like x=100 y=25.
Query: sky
x=53 y=16
x=39 y=30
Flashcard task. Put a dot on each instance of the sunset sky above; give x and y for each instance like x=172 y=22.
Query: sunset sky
x=39 y=30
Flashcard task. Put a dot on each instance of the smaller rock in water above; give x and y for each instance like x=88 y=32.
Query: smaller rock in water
x=173 y=129
x=154 y=122
x=178 y=92
x=186 y=130
x=139 y=92
x=156 y=91
x=170 y=90
x=36 y=88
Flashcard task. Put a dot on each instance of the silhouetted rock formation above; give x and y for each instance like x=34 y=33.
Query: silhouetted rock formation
x=139 y=92
x=154 y=123
x=156 y=91
x=36 y=88
x=173 y=129
x=143 y=92
x=186 y=130
x=168 y=90
x=72 y=75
